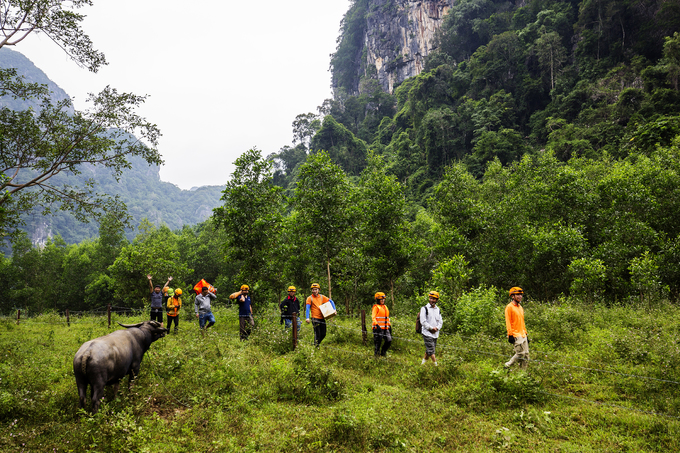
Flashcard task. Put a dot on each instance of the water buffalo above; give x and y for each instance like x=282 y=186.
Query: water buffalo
x=106 y=360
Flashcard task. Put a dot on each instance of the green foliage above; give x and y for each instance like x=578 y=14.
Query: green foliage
x=154 y=251
x=451 y=277
x=589 y=278
x=251 y=216
x=321 y=200
x=475 y=311
x=644 y=275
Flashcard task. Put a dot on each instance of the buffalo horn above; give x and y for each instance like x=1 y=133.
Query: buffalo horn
x=127 y=326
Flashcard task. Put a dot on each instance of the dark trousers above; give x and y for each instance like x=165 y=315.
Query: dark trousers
x=383 y=336
x=244 y=325
x=157 y=315
x=170 y=321
x=319 y=330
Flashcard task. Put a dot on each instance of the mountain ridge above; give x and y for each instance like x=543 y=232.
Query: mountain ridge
x=139 y=187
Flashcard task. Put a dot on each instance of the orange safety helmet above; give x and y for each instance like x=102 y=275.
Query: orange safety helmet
x=315 y=285
x=245 y=288
x=178 y=292
x=515 y=290
x=291 y=288
x=434 y=294
x=379 y=295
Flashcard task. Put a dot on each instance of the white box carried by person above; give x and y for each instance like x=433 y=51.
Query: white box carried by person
x=327 y=310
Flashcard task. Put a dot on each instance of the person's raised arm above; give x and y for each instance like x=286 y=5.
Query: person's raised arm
x=150 y=282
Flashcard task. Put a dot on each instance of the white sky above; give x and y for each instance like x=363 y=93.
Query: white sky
x=222 y=76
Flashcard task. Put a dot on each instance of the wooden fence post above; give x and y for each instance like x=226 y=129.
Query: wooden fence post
x=363 y=326
x=295 y=331
x=108 y=312
x=68 y=319
x=18 y=316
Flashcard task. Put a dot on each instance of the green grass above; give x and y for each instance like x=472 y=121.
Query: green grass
x=215 y=393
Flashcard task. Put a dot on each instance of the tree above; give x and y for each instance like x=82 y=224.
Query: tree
x=154 y=251
x=321 y=199
x=304 y=128
x=37 y=144
x=551 y=53
x=384 y=226
x=252 y=214
x=59 y=23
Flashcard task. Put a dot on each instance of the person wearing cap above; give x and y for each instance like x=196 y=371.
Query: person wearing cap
x=382 y=328
x=245 y=311
x=173 y=306
x=289 y=306
x=517 y=332
x=313 y=310
x=431 y=320
x=203 y=309
x=157 y=300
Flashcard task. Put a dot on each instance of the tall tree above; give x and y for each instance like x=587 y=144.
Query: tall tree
x=252 y=215
x=53 y=139
x=322 y=201
x=384 y=226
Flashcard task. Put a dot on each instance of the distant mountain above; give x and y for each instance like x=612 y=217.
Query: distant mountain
x=140 y=187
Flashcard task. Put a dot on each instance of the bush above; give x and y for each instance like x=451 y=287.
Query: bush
x=516 y=388
x=477 y=311
x=308 y=381
x=558 y=325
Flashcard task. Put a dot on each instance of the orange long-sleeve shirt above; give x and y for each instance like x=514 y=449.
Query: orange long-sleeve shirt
x=514 y=320
x=315 y=303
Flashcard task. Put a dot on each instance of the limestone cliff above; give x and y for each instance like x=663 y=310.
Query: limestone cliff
x=397 y=36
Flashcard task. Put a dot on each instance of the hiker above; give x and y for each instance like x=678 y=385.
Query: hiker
x=157 y=300
x=245 y=311
x=289 y=306
x=517 y=332
x=202 y=308
x=313 y=309
x=382 y=328
x=173 y=305
x=431 y=321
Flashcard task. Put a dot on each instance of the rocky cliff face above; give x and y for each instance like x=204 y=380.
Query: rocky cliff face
x=399 y=35
x=385 y=40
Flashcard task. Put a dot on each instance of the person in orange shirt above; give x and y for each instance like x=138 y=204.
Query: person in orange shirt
x=318 y=322
x=174 y=304
x=382 y=329
x=517 y=332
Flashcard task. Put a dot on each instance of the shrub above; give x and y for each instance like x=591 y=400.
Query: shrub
x=589 y=278
x=515 y=388
x=477 y=311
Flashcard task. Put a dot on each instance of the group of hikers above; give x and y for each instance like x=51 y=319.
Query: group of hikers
x=429 y=321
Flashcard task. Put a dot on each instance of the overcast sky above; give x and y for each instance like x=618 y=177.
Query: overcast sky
x=222 y=76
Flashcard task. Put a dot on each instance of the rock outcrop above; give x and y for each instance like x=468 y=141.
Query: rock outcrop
x=400 y=35
x=397 y=36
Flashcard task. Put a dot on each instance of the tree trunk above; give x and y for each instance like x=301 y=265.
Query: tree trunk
x=328 y=268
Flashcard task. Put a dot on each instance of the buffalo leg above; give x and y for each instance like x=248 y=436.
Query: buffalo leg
x=82 y=391
x=97 y=394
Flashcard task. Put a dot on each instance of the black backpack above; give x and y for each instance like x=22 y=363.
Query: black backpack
x=419 y=326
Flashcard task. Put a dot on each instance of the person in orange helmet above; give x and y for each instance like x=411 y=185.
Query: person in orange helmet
x=382 y=328
x=431 y=321
x=517 y=332
x=174 y=304
x=314 y=313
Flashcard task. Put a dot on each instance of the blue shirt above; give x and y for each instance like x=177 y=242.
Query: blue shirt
x=243 y=307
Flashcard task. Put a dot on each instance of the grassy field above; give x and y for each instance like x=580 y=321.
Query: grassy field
x=601 y=379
